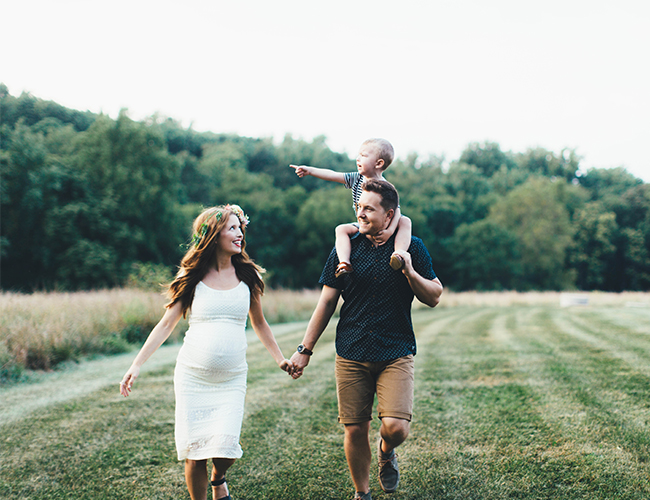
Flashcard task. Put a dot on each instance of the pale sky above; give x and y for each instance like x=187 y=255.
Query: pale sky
x=431 y=76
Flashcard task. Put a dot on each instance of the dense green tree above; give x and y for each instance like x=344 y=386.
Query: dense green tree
x=85 y=198
x=487 y=256
x=317 y=218
x=136 y=182
x=630 y=268
x=542 y=162
x=593 y=245
x=24 y=205
x=607 y=184
x=487 y=158
x=87 y=204
x=300 y=152
x=472 y=189
x=31 y=110
x=536 y=214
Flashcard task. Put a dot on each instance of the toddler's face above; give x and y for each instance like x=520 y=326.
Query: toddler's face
x=367 y=160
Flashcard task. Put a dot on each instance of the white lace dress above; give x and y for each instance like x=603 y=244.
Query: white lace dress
x=210 y=375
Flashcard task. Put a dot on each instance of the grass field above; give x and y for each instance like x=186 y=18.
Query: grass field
x=515 y=398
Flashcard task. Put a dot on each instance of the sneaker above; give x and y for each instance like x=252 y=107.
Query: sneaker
x=388 y=470
x=362 y=496
x=396 y=262
x=343 y=268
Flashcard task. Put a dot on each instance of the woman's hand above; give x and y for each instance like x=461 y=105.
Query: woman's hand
x=128 y=380
x=287 y=366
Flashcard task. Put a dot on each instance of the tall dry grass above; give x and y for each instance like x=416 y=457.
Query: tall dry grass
x=283 y=306
x=41 y=330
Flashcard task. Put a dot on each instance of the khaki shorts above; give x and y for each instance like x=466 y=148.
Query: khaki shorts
x=357 y=382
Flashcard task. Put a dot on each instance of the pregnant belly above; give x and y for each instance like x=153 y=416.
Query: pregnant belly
x=207 y=349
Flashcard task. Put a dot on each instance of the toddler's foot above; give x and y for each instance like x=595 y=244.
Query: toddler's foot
x=343 y=268
x=396 y=261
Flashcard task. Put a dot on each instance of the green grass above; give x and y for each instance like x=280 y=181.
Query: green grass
x=512 y=402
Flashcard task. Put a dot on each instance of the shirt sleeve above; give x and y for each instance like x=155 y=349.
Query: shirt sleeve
x=327 y=276
x=351 y=178
x=421 y=259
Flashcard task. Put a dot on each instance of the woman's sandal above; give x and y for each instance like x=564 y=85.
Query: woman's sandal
x=219 y=482
x=343 y=268
x=396 y=262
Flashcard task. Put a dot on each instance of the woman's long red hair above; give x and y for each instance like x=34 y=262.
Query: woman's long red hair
x=202 y=256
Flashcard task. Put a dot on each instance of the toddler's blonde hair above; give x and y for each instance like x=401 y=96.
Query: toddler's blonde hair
x=385 y=148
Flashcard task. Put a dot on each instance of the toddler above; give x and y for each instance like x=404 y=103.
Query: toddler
x=375 y=155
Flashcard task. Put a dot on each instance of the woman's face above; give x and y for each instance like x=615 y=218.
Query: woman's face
x=231 y=237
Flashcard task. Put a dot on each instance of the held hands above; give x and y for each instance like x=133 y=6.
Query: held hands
x=300 y=361
x=301 y=170
x=287 y=366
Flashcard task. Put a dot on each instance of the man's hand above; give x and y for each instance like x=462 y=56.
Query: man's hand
x=427 y=291
x=300 y=362
x=407 y=267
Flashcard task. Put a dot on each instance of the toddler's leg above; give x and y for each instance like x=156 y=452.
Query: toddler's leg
x=344 y=247
x=402 y=242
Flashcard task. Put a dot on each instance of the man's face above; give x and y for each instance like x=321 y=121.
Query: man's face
x=371 y=215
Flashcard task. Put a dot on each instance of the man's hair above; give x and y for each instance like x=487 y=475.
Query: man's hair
x=385 y=148
x=388 y=193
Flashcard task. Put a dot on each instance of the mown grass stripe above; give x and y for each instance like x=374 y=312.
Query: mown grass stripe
x=601 y=431
x=617 y=336
x=508 y=405
x=577 y=408
x=523 y=466
x=633 y=319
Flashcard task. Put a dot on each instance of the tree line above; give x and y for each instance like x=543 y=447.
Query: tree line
x=88 y=200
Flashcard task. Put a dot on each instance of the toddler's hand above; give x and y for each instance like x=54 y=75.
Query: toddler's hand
x=381 y=237
x=301 y=170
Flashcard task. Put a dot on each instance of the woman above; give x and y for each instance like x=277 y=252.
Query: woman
x=219 y=284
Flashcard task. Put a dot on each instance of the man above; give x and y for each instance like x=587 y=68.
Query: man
x=375 y=343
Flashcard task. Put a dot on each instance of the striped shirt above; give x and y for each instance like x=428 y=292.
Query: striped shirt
x=354 y=181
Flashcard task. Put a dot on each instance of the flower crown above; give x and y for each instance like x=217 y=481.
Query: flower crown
x=235 y=209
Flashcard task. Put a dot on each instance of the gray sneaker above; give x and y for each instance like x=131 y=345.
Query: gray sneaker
x=388 y=471
x=362 y=496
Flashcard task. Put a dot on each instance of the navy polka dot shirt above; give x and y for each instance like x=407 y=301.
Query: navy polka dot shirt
x=375 y=322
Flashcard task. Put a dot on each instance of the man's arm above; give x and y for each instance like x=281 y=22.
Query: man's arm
x=329 y=298
x=427 y=291
x=320 y=173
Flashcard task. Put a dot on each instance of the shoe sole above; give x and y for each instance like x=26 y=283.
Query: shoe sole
x=396 y=262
